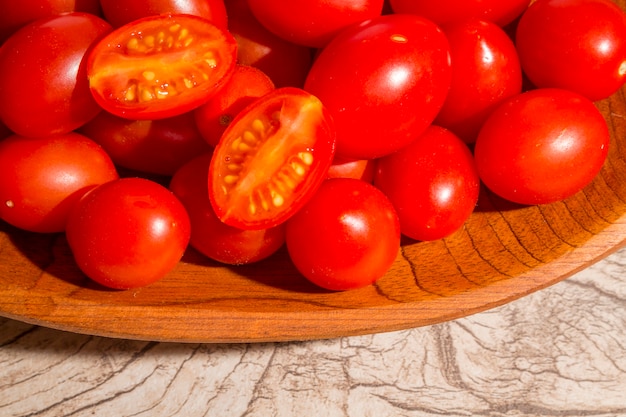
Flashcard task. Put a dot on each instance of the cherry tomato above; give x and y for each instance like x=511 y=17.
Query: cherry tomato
x=578 y=45
x=148 y=146
x=128 y=233
x=433 y=184
x=485 y=71
x=383 y=82
x=119 y=13
x=246 y=84
x=42 y=178
x=209 y=235
x=45 y=90
x=160 y=66
x=362 y=169
x=16 y=14
x=271 y=159
x=346 y=237
x=286 y=63
x=311 y=22
x=446 y=11
x=541 y=146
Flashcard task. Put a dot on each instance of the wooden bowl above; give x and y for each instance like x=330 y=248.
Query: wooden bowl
x=504 y=252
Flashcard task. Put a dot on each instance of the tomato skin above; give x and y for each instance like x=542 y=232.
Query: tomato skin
x=16 y=14
x=128 y=233
x=271 y=159
x=310 y=22
x=362 y=169
x=578 y=45
x=244 y=86
x=209 y=235
x=286 y=63
x=42 y=178
x=148 y=146
x=541 y=146
x=160 y=66
x=433 y=184
x=45 y=91
x=346 y=237
x=119 y=13
x=379 y=105
x=485 y=71
x=446 y=11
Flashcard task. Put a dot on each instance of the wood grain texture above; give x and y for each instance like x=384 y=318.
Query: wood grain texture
x=502 y=253
x=557 y=352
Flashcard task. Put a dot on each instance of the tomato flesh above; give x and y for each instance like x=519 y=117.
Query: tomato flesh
x=160 y=66
x=271 y=159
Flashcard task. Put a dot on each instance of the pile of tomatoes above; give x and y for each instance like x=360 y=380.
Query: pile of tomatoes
x=140 y=128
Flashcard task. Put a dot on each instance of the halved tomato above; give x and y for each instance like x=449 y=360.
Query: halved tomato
x=271 y=159
x=160 y=66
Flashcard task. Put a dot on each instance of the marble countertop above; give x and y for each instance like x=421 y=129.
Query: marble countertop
x=558 y=352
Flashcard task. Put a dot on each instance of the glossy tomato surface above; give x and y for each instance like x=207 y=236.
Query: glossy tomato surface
x=148 y=146
x=16 y=14
x=383 y=82
x=542 y=146
x=128 y=233
x=311 y=22
x=160 y=66
x=579 y=45
x=119 y=13
x=445 y=11
x=433 y=184
x=286 y=63
x=485 y=71
x=271 y=159
x=42 y=178
x=45 y=90
x=346 y=237
x=244 y=86
x=209 y=235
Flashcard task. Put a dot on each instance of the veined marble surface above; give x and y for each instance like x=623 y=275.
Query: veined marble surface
x=558 y=352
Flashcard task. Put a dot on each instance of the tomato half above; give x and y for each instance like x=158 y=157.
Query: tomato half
x=541 y=146
x=160 y=66
x=271 y=159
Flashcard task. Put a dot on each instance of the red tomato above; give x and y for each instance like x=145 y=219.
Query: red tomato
x=16 y=14
x=346 y=237
x=245 y=85
x=446 y=11
x=119 y=13
x=485 y=71
x=578 y=45
x=286 y=63
x=362 y=169
x=45 y=91
x=209 y=235
x=42 y=178
x=312 y=22
x=383 y=81
x=150 y=146
x=128 y=233
x=432 y=183
x=160 y=66
x=541 y=146
x=271 y=159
